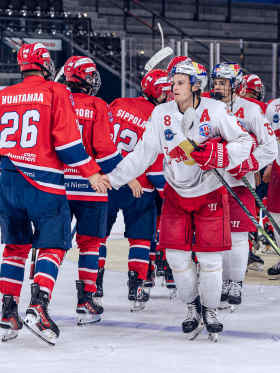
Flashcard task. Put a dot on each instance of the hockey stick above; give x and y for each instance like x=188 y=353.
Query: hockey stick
x=247 y=212
x=260 y=204
x=158 y=57
x=240 y=203
x=161 y=34
x=59 y=74
x=33 y=263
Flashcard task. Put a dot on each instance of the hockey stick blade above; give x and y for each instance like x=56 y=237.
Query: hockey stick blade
x=158 y=57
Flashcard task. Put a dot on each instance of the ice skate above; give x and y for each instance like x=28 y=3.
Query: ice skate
x=255 y=263
x=169 y=282
x=235 y=295
x=213 y=326
x=150 y=281
x=274 y=272
x=10 y=321
x=88 y=310
x=193 y=324
x=136 y=294
x=99 y=286
x=159 y=264
x=224 y=296
x=37 y=319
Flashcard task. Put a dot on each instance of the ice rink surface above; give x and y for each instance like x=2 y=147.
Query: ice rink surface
x=150 y=341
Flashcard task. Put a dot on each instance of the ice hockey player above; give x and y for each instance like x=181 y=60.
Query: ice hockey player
x=252 y=89
x=137 y=201
x=89 y=207
x=39 y=134
x=226 y=77
x=193 y=196
x=273 y=200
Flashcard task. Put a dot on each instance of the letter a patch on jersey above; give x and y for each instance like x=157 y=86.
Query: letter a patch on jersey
x=240 y=113
x=204 y=116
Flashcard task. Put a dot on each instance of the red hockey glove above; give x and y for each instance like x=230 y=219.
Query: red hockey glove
x=250 y=164
x=212 y=154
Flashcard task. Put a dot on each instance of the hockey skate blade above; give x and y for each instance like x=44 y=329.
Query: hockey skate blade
x=47 y=335
x=194 y=334
x=258 y=267
x=172 y=293
x=137 y=306
x=224 y=306
x=8 y=335
x=213 y=337
x=234 y=307
x=88 y=319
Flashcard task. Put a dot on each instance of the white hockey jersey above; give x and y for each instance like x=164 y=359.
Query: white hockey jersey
x=165 y=133
x=273 y=115
x=253 y=120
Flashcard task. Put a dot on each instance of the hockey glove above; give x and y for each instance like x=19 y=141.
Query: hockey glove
x=212 y=154
x=250 y=164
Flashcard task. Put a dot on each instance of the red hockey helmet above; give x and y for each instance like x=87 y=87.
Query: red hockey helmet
x=176 y=60
x=154 y=83
x=252 y=83
x=35 y=56
x=82 y=70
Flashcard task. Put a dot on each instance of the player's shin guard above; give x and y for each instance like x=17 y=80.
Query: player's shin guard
x=138 y=258
x=210 y=278
x=184 y=272
x=47 y=267
x=12 y=269
x=88 y=260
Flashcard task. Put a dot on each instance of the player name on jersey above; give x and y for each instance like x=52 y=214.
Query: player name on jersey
x=84 y=113
x=130 y=117
x=18 y=99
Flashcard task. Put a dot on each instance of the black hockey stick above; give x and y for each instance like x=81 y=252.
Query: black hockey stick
x=260 y=204
x=33 y=263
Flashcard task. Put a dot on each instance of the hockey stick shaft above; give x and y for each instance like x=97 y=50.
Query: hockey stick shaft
x=260 y=204
x=247 y=212
x=32 y=264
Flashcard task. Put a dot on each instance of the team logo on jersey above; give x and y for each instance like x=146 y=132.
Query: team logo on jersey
x=275 y=118
x=169 y=134
x=204 y=130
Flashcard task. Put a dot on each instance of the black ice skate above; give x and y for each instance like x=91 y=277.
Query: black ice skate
x=193 y=324
x=99 y=285
x=37 y=319
x=224 y=296
x=150 y=281
x=211 y=322
x=136 y=293
x=10 y=321
x=255 y=263
x=169 y=281
x=235 y=295
x=88 y=309
x=274 y=272
x=159 y=264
